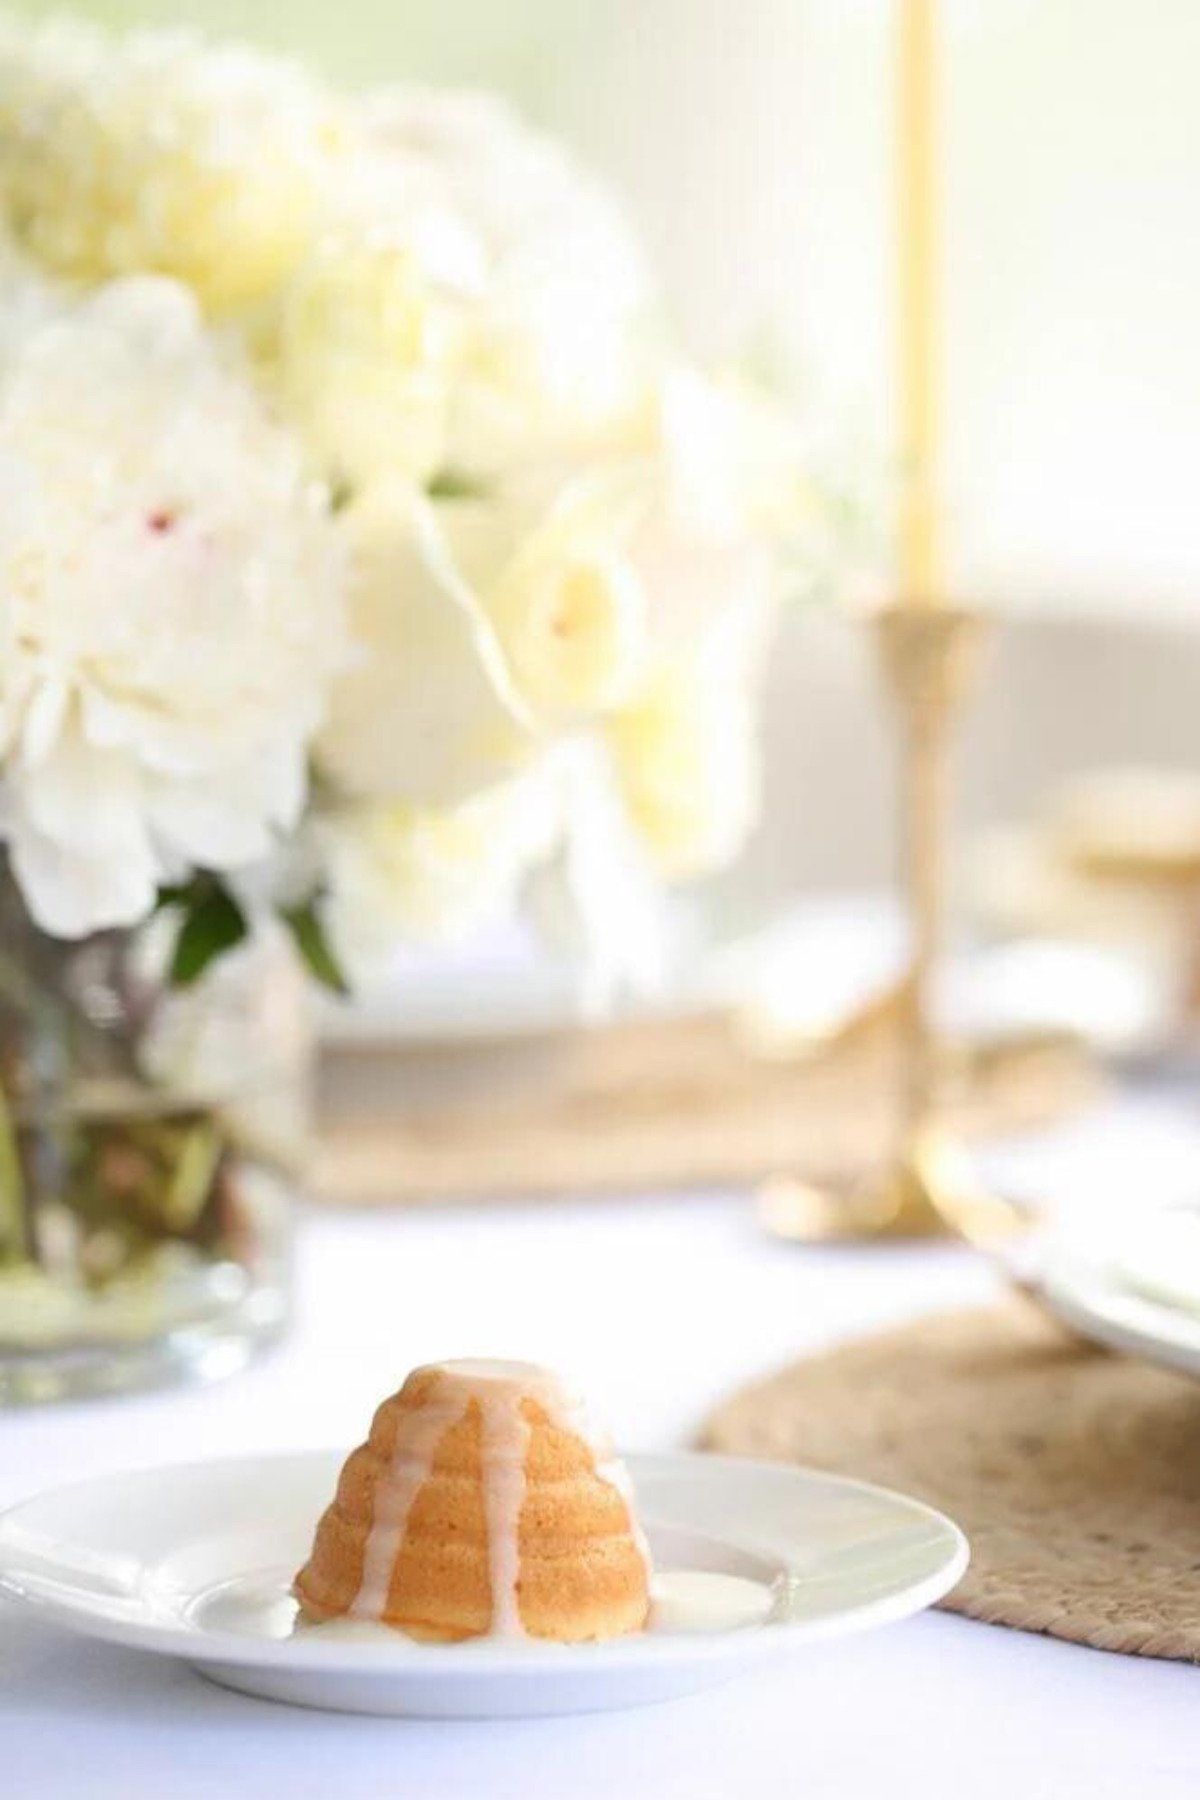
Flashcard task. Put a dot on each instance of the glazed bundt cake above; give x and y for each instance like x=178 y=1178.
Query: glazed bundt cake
x=482 y=1503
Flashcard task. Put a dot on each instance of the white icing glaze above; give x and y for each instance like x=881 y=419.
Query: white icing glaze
x=505 y=1442
x=499 y=1389
x=494 y=1368
x=707 y=1600
x=613 y=1471
x=571 y=1413
x=412 y=1459
x=347 y=1630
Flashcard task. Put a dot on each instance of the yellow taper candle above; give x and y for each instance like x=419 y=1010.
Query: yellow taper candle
x=917 y=296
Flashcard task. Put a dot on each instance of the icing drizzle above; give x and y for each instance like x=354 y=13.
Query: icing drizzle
x=411 y=1462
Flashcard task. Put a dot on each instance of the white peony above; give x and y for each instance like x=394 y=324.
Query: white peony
x=160 y=153
x=170 y=607
x=364 y=360
x=520 y=187
x=557 y=339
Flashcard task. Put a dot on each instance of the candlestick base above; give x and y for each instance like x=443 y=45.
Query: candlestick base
x=930 y=1190
x=926 y=653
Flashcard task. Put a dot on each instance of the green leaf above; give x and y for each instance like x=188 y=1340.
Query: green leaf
x=213 y=922
x=304 y=923
x=179 y=893
x=456 y=484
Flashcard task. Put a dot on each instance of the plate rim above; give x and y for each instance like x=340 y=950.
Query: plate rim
x=483 y=1657
x=1074 y=1291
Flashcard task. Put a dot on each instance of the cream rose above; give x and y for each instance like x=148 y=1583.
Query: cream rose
x=395 y=871
x=424 y=711
x=686 y=753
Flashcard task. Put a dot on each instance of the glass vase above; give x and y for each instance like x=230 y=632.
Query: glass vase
x=150 y=1142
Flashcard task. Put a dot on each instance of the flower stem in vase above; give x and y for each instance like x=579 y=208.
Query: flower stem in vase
x=16 y=1237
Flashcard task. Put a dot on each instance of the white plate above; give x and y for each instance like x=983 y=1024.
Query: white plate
x=193 y=1561
x=1136 y=1290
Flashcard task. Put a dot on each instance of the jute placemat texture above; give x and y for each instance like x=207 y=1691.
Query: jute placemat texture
x=1074 y=1472
x=641 y=1107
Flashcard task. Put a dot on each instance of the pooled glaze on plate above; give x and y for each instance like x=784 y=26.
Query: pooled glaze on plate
x=682 y=1600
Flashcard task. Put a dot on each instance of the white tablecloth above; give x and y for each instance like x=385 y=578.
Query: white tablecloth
x=658 y=1307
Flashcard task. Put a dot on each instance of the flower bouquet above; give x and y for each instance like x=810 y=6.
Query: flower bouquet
x=370 y=563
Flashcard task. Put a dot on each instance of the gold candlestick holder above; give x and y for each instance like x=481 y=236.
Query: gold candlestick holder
x=927 y=653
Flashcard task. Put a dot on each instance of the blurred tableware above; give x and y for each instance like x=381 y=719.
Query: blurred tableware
x=1133 y=1286
x=796 y=978
x=1109 y=858
x=647 y=1104
x=1127 y=1279
x=1131 y=824
x=824 y=969
x=195 y=1562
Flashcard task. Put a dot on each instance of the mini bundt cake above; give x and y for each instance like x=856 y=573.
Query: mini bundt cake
x=482 y=1504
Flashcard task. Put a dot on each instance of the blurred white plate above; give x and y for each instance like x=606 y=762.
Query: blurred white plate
x=194 y=1562
x=1136 y=1290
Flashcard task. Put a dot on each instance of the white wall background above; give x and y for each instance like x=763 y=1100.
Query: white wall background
x=754 y=142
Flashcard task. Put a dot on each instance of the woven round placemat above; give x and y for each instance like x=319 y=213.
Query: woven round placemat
x=1075 y=1473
